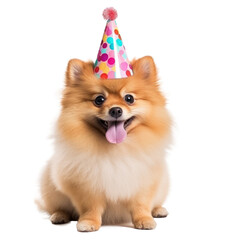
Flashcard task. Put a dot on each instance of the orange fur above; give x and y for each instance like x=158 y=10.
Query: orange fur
x=97 y=181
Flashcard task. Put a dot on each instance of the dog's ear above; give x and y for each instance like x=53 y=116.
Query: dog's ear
x=77 y=70
x=145 y=68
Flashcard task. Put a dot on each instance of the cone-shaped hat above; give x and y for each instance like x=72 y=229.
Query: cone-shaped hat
x=112 y=61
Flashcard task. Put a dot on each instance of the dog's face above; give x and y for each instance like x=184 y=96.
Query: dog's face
x=111 y=109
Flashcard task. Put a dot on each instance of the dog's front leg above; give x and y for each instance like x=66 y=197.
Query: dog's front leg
x=140 y=209
x=90 y=207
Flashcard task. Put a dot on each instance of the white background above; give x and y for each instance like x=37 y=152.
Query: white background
x=196 y=46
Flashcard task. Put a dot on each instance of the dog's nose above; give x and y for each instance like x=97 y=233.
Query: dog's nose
x=115 y=112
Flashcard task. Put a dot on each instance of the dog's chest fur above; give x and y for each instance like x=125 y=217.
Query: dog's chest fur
x=120 y=173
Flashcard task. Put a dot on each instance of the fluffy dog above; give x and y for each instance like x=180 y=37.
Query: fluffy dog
x=110 y=142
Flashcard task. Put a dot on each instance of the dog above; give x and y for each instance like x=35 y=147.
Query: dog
x=111 y=137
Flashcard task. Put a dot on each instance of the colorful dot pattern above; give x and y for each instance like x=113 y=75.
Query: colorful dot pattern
x=112 y=61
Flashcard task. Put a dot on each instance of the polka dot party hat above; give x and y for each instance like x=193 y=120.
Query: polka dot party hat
x=112 y=61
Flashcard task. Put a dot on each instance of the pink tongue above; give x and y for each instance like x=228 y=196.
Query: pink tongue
x=116 y=132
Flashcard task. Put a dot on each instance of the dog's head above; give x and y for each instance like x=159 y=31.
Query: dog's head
x=111 y=110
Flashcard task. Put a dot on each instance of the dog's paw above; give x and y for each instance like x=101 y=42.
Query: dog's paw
x=87 y=225
x=159 y=212
x=60 y=217
x=146 y=223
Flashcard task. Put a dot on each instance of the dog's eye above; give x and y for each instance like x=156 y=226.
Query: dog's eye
x=99 y=100
x=129 y=99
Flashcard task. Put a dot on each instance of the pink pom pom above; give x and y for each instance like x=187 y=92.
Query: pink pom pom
x=110 y=13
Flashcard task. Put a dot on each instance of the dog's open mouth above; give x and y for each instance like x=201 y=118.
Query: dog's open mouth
x=115 y=130
x=105 y=124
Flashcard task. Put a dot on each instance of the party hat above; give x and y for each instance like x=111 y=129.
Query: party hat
x=112 y=61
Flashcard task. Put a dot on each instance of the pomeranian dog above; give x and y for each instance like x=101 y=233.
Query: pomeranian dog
x=110 y=142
